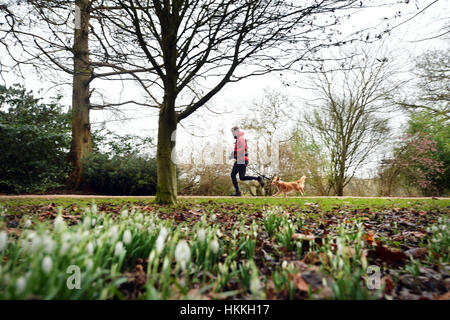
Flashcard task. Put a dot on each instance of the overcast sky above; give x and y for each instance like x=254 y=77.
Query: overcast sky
x=234 y=100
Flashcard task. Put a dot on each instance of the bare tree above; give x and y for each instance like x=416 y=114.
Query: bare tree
x=431 y=88
x=268 y=124
x=57 y=38
x=196 y=47
x=349 y=118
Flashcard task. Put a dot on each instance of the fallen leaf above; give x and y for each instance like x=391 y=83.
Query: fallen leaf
x=416 y=252
x=368 y=237
x=300 y=283
x=388 y=284
x=300 y=236
x=389 y=255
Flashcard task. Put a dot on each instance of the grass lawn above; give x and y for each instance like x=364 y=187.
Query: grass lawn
x=230 y=248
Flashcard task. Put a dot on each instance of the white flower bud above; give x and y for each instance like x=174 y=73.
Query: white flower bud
x=127 y=237
x=49 y=244
x=21 y=283
x=90 y=248
x=215 y=246
x=3 y=240
x=47 y=264
x=119 y=248
x=59 y=224
x=27 y=223
x=113 y=233
x=160 y=241
x=201 y=235
x=182 y=253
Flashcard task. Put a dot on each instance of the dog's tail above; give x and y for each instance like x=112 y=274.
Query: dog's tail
x=301 y=181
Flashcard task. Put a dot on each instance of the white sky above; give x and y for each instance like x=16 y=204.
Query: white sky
x=235 y=98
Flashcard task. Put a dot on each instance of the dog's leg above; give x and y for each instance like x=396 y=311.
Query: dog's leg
x=276 y=194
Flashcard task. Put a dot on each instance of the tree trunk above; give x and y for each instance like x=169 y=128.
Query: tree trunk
x=340 y=189
x=166 y=190
x=81 y=144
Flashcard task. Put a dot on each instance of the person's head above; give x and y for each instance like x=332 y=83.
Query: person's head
x=235 y=131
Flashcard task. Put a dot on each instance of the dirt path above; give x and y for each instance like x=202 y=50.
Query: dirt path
x=78 y=196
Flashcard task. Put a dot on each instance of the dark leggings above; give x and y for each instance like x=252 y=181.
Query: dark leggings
x=240 y=168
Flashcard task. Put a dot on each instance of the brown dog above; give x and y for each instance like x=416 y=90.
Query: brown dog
x=287 y=187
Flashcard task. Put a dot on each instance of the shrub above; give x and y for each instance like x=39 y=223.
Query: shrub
x=34 y=141
x=119 y=175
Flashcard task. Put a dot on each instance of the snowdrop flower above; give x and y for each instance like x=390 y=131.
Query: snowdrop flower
x=222 y=268
x=127 y=237
x=219 y=234
x=201 y=235
x=113 y=233
x=27 y=223
x=49 y=244
x=59 y=224
x=35 y=242
x=90 y=248
x=161 y=240
x=215 y=246
x=139 y=217
x=93 y=222
x=213 y=217
x=3 y=240
x=20 y=284
x=124 y=213
x=47 y=264
x=284 y=264
x=118 y=248
x=182 y=253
